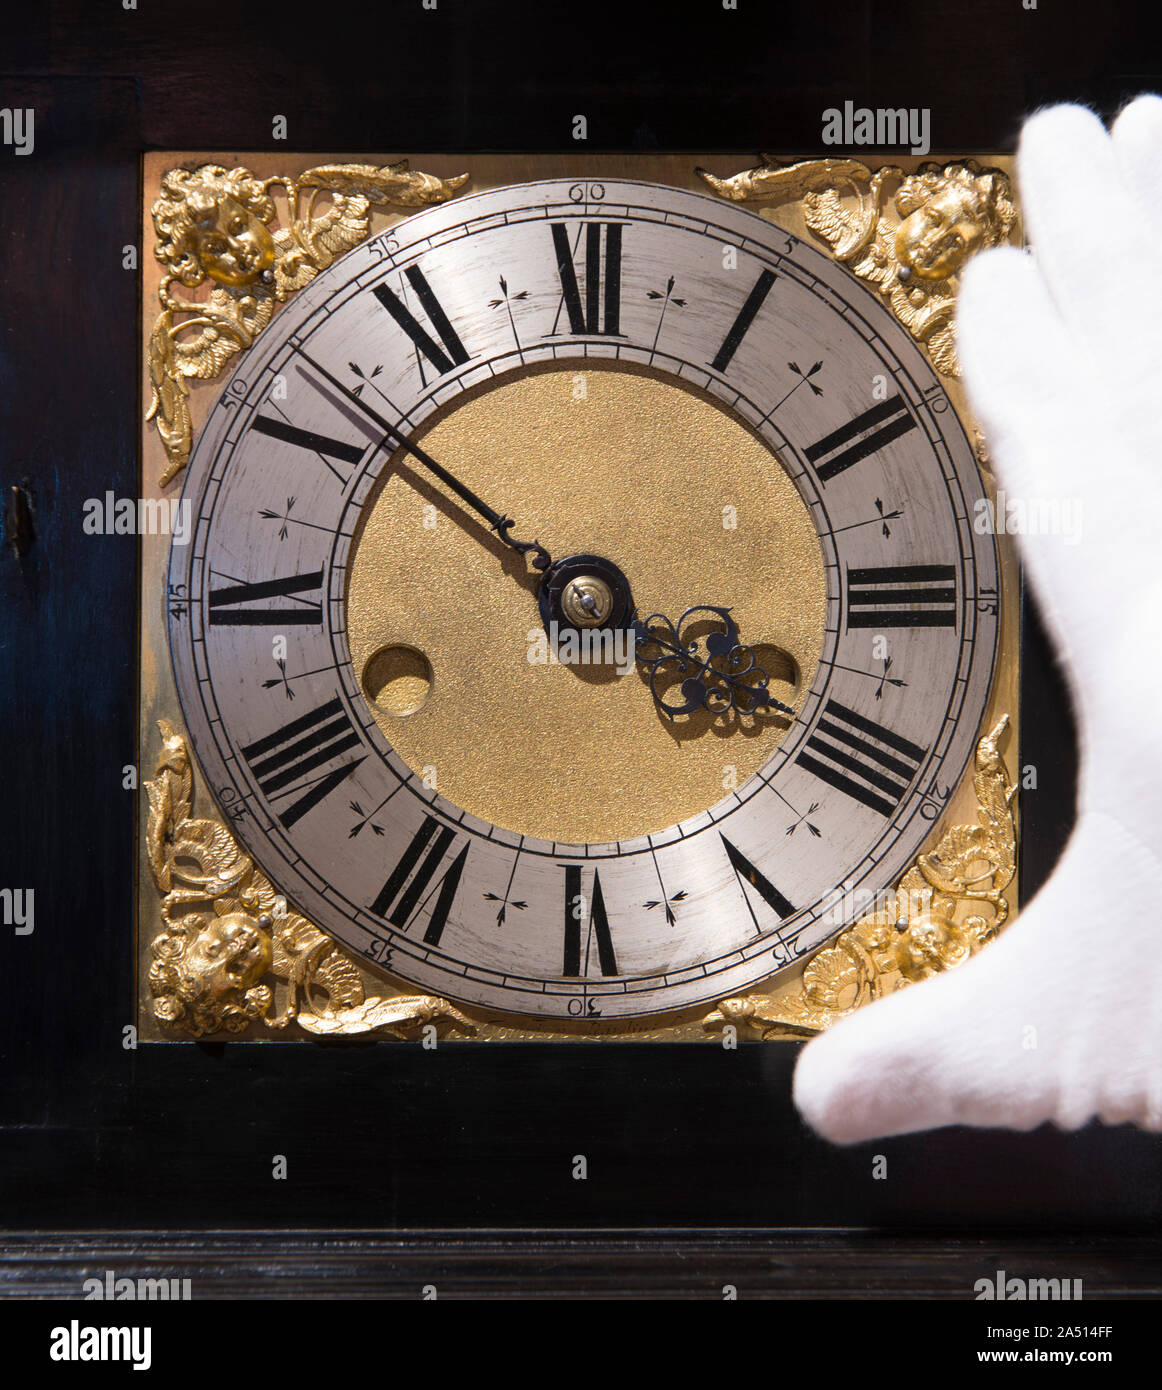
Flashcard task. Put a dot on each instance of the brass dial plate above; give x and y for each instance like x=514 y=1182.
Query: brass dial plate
x=706 y=907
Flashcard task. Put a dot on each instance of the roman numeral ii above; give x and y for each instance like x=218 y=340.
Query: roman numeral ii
x=861 y=437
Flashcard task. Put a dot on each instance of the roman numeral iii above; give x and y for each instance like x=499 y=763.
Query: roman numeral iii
x=902 y=596
x=861 y=437
x=598 y=309
x=861 y=758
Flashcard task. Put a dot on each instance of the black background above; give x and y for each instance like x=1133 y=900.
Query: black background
x=475 y=1135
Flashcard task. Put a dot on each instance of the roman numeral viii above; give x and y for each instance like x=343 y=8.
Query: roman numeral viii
x=902 y=596
x=866 y=434
x=449 y=352
x=578 y=951
x=413 y=881
x=283 y=761
x=597 y=312
x=229 y=606
x=861 y=758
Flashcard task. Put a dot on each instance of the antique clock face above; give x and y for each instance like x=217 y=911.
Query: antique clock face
x=712 y=415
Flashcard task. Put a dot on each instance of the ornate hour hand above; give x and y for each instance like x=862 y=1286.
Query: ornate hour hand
x=501 y=524
x=714 y=671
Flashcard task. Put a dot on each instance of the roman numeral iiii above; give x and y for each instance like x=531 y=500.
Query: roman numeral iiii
x=861 y=758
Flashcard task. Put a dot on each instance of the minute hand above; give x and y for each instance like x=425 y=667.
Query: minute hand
x=501 y=524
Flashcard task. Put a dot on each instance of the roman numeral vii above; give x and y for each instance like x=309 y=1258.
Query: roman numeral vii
x=410 y=885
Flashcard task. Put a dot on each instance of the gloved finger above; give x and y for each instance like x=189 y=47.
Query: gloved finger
x=1049 y=449
x=1137 y=140
x=1090 y=240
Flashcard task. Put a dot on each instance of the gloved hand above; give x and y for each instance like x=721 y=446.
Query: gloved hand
x=1062 y=357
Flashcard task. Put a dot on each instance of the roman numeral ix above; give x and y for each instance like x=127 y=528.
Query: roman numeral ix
x=861 y=758
x=229 y=605
x=865 y=435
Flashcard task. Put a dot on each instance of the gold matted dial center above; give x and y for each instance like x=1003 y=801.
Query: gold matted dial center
x=599 y=460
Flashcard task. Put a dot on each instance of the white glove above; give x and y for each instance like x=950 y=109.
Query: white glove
x=1062 y=358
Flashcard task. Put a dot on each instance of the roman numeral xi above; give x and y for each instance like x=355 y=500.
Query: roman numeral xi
x=449 y=352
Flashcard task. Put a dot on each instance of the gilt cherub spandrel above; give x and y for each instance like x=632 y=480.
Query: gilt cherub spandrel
x=910 y=244
x=216 y=228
